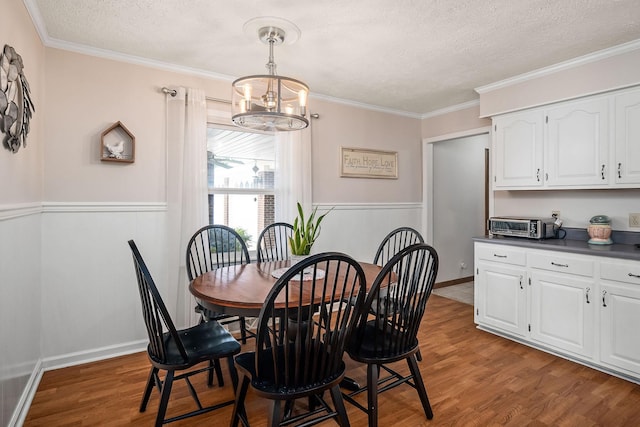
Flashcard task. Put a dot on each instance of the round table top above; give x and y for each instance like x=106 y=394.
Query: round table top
x=242 y=289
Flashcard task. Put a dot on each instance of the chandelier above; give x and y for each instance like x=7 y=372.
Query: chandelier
x=267 y=101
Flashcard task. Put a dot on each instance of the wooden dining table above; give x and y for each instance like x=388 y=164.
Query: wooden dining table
x=242 y=289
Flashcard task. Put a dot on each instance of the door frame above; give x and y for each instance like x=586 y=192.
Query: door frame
x=427 y=177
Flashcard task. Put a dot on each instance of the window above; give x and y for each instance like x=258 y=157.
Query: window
x=241 y=172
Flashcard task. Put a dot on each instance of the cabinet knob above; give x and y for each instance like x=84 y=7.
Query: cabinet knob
x=619 y=170
x=602 y=172
x=538 y=174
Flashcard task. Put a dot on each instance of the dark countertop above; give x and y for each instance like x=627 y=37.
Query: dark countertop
x=576 y=242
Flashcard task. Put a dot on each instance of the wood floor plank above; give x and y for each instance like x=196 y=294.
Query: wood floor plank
x=473 y=378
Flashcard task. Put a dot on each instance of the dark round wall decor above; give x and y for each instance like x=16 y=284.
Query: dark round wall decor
x=16 y=107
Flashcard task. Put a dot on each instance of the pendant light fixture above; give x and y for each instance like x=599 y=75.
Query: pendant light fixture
x=268 y=101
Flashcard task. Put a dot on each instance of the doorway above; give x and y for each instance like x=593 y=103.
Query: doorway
x=456 y=182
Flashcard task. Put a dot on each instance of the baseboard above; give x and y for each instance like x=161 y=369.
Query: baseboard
x=93 y=355
x=22 y=408
x=453 y=282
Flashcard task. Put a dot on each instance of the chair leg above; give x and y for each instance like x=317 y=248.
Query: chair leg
x=243 y=330
x=422 y=391
x=232 y=371
x=338 y=403
x=164 y=400
x=373 y=372
x=238 y=407
x=276 y=413
x=419 y=355
x=218 y=368
x=147 y=391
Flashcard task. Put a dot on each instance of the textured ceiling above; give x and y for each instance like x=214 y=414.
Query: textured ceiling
x=413 y=56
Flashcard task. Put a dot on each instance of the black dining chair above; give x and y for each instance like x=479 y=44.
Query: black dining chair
x=211 y=247
x=273 y=242
x=300 y=341
x=394 y=242
x=388 y=323
x=173 y=350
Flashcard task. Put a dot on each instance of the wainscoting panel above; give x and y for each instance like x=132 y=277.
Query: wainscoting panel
x=358 y=229
x=20 y=321
x=90 y=299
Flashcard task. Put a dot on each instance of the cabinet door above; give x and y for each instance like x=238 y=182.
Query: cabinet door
x=501 y=297
x=619 y=323
x=576 y=148
x=518 y=144
x=562 y=312
x=627 y=138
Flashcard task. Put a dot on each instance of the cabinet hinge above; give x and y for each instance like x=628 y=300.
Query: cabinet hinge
x=495 y=128
x=529 y=281
x=529 y=327
x=546 y=119
x=477 y=270
x=477 y=312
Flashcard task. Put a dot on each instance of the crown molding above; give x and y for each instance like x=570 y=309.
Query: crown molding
x=561 y=66
x=451 y=109
x=365 y=106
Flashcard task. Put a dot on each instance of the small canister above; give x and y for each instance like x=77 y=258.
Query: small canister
x=600 y=230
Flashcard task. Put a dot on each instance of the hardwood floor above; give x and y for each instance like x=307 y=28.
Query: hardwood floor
x=473 y=379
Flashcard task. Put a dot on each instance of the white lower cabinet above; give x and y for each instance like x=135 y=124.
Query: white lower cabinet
x=502 y=297
x=501 y=293
x=586 y=308
x=619 y=303
x=563 y=312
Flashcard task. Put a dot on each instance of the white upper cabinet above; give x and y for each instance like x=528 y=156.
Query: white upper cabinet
x=518 y=149
x=577 y=149
x=627 y=138
x=593 y=142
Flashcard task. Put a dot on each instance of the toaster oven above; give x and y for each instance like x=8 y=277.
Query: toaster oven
x=530 y=228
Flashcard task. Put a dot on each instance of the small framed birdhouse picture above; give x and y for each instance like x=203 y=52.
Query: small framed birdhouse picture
x=117 y=144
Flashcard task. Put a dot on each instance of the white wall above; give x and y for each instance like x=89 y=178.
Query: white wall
x=20 y=207
x=576 y=206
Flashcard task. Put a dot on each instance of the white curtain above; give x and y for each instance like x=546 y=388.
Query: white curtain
x=187 y=188
x=293 y=173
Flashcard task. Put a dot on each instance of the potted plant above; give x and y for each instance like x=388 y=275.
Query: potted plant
x=305 y=233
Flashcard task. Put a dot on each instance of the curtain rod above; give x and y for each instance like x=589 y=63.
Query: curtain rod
x=174 y=92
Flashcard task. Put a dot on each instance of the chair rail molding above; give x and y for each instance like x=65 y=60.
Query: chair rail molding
x=19 y=210
x=367 y=206
x=104 y=206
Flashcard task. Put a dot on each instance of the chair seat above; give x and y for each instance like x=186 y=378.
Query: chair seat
x=267 y=385
x=202 y=342
x=377 y=347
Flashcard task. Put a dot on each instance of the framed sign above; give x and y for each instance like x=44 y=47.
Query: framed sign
x=362 y=163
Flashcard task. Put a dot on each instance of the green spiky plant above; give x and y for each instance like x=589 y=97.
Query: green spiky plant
x=306 y=232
